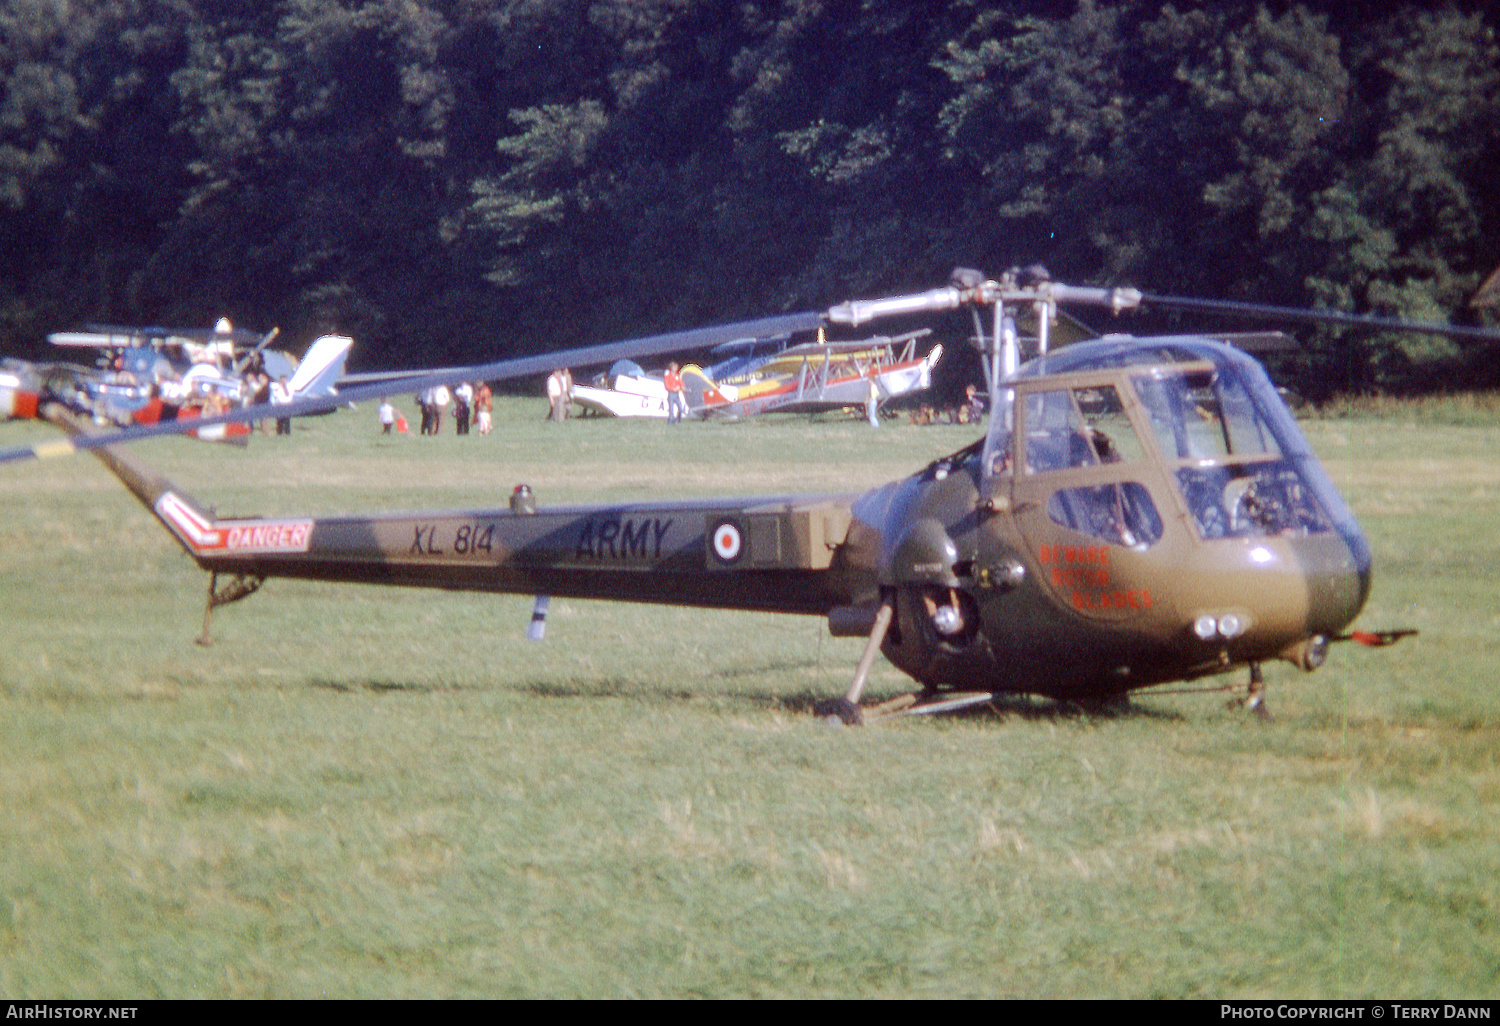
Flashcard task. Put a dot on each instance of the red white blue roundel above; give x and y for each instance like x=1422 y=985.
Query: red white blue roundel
x=727 y=540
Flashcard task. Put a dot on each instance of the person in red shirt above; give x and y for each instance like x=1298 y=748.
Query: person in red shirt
x=676 y=398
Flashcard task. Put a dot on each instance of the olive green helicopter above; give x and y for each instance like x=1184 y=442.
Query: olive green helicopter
x=1138 y=512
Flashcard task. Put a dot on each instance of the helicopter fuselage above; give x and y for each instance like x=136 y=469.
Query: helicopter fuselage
x=1139 y=511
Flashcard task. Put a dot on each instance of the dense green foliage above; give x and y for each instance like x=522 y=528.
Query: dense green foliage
x=452 y=179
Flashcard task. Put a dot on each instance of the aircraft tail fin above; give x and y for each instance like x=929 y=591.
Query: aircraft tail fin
x=321 y=367
x=189 y=523
x=700 y=388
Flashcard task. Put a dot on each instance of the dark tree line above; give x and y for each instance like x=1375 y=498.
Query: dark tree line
x=451 y=180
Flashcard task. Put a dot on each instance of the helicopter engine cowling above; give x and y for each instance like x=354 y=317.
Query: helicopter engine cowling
x=924 y=555
x=936 y=620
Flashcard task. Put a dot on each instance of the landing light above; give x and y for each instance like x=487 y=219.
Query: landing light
x=1228 y=626
x=1231 y=625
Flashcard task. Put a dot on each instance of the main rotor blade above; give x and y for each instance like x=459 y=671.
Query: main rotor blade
x=499 y=370
x=243 y=336
x=1292 y=313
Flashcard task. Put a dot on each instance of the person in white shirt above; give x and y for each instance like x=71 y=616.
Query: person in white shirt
x=463 y=402
x=440 y=399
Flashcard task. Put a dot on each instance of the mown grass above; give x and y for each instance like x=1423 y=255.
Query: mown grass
x=1475 y=409
x=362 y=792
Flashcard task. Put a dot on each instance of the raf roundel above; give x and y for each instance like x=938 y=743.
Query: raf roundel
x=728 y=543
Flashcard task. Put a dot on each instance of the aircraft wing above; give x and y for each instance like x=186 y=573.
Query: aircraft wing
x=96 y=339
x=120 y=336
x=854 y=346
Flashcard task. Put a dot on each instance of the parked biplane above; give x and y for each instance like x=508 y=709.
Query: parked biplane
x=145 y=375
x=1139 y=511
x=769 y=375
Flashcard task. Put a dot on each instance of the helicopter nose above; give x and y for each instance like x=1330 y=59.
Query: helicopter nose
x=1337 y=578
x=1285 y=591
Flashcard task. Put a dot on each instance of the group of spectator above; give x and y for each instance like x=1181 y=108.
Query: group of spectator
x=471 y=404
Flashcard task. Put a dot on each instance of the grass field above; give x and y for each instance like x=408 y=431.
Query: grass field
x=363 y=792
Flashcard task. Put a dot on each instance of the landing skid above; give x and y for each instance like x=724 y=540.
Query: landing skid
x=918 y=703
x=849 y=712
x=946 y=703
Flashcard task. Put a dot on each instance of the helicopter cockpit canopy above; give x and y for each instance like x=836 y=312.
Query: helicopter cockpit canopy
x=1201 y=410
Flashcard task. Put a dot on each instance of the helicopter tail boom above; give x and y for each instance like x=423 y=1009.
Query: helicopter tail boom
x=776 y=555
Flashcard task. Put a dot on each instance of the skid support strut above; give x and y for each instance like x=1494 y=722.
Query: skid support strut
x=846 y=709
x=239 y=586
x=1255 y=698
